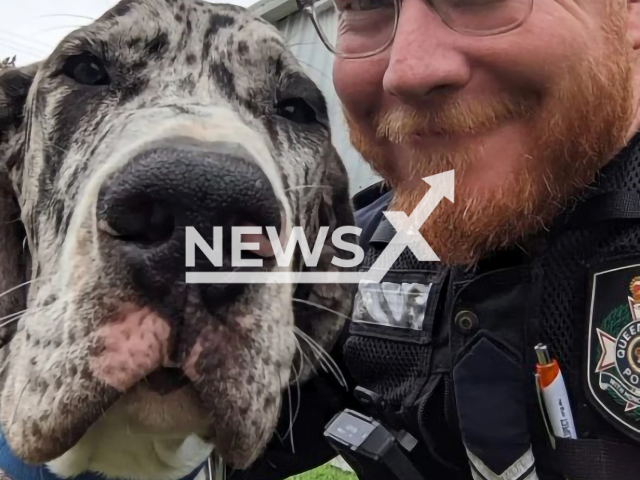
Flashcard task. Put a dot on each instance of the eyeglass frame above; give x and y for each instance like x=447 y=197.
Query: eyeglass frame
x=307 y=6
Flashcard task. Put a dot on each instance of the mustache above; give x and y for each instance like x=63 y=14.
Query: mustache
x=451 y=117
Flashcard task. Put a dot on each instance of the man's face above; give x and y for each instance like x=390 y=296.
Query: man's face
x=525 y=118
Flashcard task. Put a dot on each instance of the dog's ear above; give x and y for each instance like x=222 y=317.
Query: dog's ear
x=15 y=84
x=320 y=309
x=14 y=88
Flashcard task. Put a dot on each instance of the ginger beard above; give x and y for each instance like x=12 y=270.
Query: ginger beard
x=572 y=131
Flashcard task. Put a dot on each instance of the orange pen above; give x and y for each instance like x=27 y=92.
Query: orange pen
x=554 y=394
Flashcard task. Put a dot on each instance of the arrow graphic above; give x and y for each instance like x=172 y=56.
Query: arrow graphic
x=408 y=227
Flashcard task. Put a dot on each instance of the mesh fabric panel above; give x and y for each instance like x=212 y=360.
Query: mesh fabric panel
x=562 y=269
x=387 y=368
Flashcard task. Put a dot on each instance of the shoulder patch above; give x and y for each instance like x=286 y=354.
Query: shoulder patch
x=612 y=360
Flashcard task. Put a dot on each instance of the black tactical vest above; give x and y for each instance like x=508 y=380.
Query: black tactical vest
x=451 y=352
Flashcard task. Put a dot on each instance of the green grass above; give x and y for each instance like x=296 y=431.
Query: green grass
x=326 y=472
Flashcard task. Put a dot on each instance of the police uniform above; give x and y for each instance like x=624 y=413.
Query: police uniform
x=448 y=353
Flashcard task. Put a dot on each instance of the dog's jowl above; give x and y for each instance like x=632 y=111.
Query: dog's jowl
x=160 y=115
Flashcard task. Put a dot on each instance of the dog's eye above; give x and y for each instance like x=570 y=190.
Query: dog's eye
x=296 y=110
x=86 y=69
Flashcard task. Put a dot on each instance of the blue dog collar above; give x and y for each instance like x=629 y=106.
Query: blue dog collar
x=16 y=469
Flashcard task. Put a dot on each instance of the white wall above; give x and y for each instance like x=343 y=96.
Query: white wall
x=318 y=63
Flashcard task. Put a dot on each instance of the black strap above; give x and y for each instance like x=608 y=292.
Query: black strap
x=617 y=205
x=597 y=459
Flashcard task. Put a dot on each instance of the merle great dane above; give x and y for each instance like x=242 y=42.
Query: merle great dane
x=159 y=115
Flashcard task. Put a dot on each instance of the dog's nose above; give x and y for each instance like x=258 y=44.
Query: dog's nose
x=178 y=183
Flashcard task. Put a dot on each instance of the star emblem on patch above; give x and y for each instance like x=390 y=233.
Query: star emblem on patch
x=613 y=346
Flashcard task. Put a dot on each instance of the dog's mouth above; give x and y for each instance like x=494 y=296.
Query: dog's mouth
x=166 y=380
x=210 y=389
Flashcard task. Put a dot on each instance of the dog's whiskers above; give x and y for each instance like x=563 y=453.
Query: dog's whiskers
x=290 y=430
x=5 y=364
x=323 y=357
x=297 y=187
x=313 y=67
x=303 y=355
x=326 y=366
x=317 y=305
x=288 y=384
x=294 y=416
x=16 y=316
x=260 y=437
x=6 y=292
x=15 y=410
x=63 y=150
x=65 y=15
x=299 y=44
x=60 y=27
x=292 y=421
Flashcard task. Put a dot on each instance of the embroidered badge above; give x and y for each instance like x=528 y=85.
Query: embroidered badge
x=613 y=359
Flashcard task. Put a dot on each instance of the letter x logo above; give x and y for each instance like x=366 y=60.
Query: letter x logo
x=408 y=228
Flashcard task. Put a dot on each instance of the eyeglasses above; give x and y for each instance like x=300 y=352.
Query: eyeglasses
x=363 y=28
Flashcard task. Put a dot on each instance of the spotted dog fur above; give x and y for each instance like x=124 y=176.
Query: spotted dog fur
x=71 y=391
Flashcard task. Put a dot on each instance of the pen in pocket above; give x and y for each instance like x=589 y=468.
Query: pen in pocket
x=554 y=394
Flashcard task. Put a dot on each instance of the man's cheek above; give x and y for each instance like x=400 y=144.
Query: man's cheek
x=358 y=85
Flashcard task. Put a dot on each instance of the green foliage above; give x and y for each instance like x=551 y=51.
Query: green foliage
x=616 y=320
x=326 y=472
x=613 y=325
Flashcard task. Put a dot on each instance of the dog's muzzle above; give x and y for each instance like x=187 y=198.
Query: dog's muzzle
x=145 y=208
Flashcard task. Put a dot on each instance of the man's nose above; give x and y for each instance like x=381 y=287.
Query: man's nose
x=425 y=56
x=178 y=183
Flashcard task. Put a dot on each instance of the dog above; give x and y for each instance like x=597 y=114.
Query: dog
x=159 y=116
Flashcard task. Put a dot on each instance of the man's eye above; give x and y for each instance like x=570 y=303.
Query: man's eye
x=476 y=3
x=367 y=4
x=362 y=5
